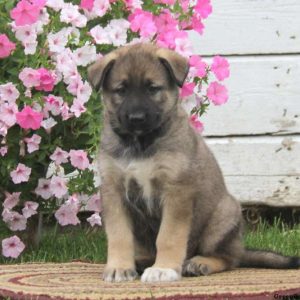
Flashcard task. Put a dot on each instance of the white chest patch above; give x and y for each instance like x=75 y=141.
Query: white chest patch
x=142 y=172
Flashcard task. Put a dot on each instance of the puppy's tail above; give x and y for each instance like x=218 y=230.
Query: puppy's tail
x=268 y=259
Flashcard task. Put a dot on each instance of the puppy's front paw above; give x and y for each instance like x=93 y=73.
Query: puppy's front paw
x=160 y=274
x=118 y=274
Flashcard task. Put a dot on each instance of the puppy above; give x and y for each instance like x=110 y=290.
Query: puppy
x=167 y=211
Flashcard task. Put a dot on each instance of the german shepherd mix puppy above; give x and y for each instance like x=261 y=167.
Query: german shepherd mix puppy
x=167 y=211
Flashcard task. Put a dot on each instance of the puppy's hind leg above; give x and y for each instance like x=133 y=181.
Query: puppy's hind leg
x=201 y=265
x=220 y=244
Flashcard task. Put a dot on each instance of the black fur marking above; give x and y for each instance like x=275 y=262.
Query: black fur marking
x=134 y=191
x=268 y=259
x=294 y=263
x=145 y=226
x=145 y=223
x=228 y=238
x=138 y=146
x=141 y=265
x=105 y=74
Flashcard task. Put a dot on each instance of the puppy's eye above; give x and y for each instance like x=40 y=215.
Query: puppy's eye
x=120 y=90
x=153 y=89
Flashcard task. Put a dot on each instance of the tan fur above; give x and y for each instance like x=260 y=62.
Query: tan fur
x=164 y=196
x=200 y=265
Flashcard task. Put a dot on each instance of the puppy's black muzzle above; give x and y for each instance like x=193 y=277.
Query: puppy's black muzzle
x=139 y=119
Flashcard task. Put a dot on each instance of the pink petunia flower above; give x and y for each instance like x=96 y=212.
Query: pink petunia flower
x=187 y=89
x=58 y=186
x=54 y=104
x=55 y=4
x=66 y=65
x=57 y=41
x=67 y=215
x=197 y=125
x=70 y=14
x=197 y=24
x=165 y=21
x=167 y=39
x=29 y=209
x=94 y=219
x=30 y=47
x=87 y=4
x=101 y=7
x=29 y=77
x=6 y=46
x=65 y=112
x=59 y=156
x=25 y=34
x=8 y=113
x=203 y=8
x=43 y=188
x=217 y=93
x=85 y=55
x=183 y=45
x=6 y=214
x=48 y=124
x=133 y=4
x=220 y=67
x=117 y=31
x=46 y=79
x=9 y=92
x=20 y=174
x=16 y=222
x=197 y=66
x=100 y=35
x=11 y=200
x=3 y=150
x=78 y=107
x=73 y=200
x=33 y=143
x=29 y=118
x=12 y=247
x=185 y=4
x=75 y=84
x=143 y=22
x=79 y=159
x=25 y=13
x=84 y=91
x=94 y=203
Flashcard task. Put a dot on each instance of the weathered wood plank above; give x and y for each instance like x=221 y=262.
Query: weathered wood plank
x=264 y=98
x=265 y=190
x=251 y=27
x=258 y=156
x=260 y=170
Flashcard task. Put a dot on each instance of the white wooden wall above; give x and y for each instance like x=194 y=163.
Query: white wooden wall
x=256 y=136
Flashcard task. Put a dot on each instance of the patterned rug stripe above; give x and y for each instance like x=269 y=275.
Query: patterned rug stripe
x=80 y=281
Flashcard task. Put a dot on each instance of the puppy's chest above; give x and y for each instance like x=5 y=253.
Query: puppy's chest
x=142 y=188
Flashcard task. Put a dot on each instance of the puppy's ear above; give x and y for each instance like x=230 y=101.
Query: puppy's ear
x=98 y=70
x=177 y=65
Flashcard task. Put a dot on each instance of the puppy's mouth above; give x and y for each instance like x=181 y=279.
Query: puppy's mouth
x=136 y=131
x=137 y=127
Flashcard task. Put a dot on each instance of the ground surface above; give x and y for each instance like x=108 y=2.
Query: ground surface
x=83 y=281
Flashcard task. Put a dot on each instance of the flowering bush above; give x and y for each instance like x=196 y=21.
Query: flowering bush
x=49 y=116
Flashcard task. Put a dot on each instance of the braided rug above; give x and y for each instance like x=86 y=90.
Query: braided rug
x=79 y=280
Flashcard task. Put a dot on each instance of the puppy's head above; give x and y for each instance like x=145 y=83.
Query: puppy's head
x=140 y=86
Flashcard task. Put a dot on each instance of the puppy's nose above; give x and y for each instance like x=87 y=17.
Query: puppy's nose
x=137 y=118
